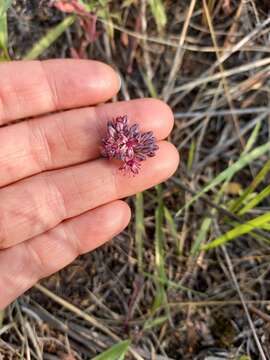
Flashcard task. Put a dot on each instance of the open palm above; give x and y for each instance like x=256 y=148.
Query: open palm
x=58 y=198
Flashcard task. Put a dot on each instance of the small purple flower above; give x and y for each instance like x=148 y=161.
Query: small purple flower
x=128 y=144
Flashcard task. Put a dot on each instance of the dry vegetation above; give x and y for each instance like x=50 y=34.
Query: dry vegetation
x=158 y=283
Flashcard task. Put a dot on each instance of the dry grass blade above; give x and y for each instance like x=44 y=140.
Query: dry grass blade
x=230 y=266
x=224 y=80
x=139 y=228
x=224 y=74
x=160 y=297
x=173 y=43
x=224 y=112
x=76 y=311
x=91 y=320
x=226 y=55
x=34 y=340
x=217 y=303
x=167 y=90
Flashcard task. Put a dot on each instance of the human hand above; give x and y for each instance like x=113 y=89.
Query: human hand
x=58 y=199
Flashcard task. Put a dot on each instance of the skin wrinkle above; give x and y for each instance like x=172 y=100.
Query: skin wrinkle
x=28 y=215
x=61 y=130
x=90 y=187
x=17 y=96
x=100 y=128
x=57 y=196
x=93 y=127
x=62 y=134
x=17 y=276
x=115 y=177
x=70 y=141
x=61 y=235
x=13 y=158
x=6 y=163
x=2 y=109
x=3 y=231
x=77 y=190
x=38 y=139
x=52 y=86
x=71 y=238
x=35 y=259
x=76 y=141
x=27 y=220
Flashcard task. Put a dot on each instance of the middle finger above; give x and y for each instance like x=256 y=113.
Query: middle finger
x=71 y=137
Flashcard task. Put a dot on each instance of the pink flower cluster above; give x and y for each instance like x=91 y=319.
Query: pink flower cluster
x=128 y=144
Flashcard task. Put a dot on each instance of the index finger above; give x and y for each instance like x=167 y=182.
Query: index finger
x=30 y=88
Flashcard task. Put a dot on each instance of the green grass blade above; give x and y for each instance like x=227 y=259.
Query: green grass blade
x=153 y=323
x=191 y=154
x=172 y=227
x=2 y=315
x=52 y=35
x=139 y=228
x=159 y=250
x=159 y=13
x=207 y=222
x=230 y=171
x=150 y=86
x=253 y=137
x=266 y=227
x=159 y=236
x=201 y=236
x=171 y=284
x=116 y=352
x=4 y=5
x=239 y=230
x=255 y=201
x=255 y=183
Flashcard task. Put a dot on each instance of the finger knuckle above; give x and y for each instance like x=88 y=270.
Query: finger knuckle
x=3 y=233
x=40 y=146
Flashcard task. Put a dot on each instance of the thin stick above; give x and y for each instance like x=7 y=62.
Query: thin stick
x=225 y=112
x=223 y=79
x=230 y=267
x=91 y=320
x=167 y=90
x=234 y=71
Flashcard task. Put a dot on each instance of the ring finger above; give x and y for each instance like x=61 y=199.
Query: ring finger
x=35 y=205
